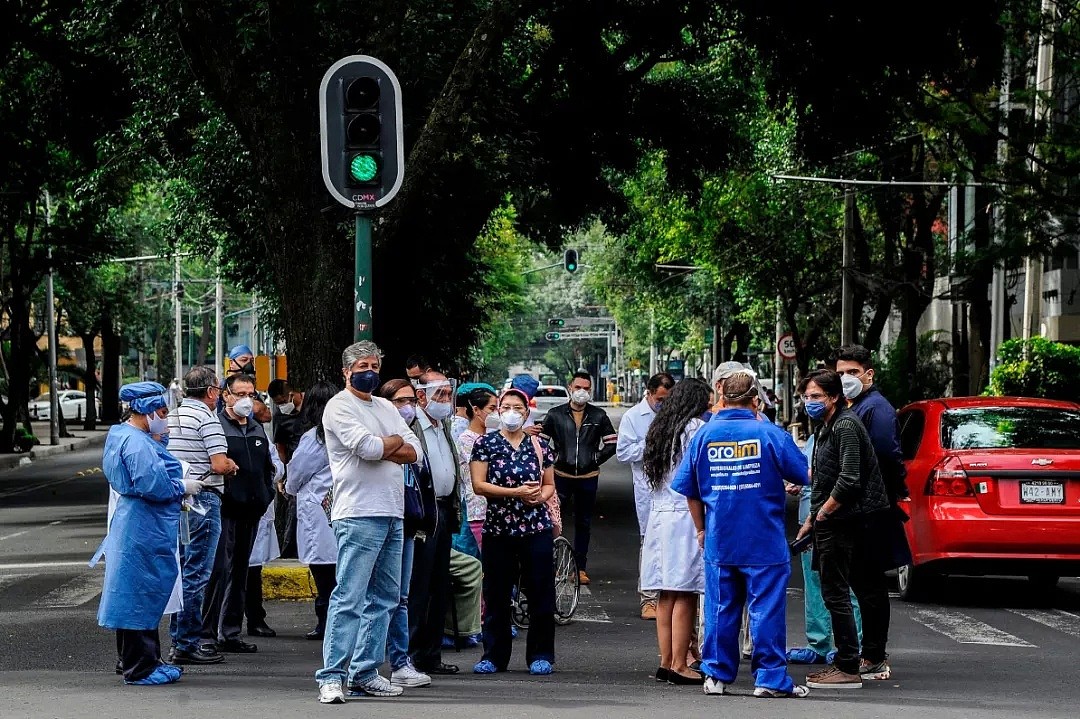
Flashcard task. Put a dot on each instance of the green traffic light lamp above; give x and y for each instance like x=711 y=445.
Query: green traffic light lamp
x=363 y=168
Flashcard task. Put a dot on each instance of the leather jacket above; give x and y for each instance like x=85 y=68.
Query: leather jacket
x=580 y=451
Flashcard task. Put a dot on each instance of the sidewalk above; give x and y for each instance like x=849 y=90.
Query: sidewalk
x=81 y=440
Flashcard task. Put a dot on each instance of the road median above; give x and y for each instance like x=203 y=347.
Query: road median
x=287 y=579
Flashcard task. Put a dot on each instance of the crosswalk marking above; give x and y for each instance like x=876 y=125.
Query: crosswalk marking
x=73 y=593
x=589 y=610
x=8 y=579
x=1062 y=621
x=965 y=629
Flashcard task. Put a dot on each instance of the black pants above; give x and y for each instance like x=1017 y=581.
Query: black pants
x=845 y=563
x=226 y=594
x=506 y=560
x=253 y=600
x=325 y=576
x=582 y=494
x=288 y=539
x=429 y=590
x=140 y=652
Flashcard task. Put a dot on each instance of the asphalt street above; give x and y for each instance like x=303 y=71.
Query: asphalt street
x=992 y=651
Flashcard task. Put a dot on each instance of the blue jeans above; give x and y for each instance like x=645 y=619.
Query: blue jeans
x=196 y=563
x=819 y=634
x=368 y=589
x=397 y=640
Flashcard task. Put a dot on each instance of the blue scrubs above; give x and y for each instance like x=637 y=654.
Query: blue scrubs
x=736 y=465
x=140 y=549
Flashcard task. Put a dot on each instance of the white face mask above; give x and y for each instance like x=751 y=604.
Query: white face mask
x=287 y=408
x=511 y=420
x=492 y=421
x=158 y=425
x=244 y=407
x=580 y=396
x=853 y=386
x=439 y=411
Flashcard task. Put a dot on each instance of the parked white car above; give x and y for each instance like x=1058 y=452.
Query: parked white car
x=72 y=406
x=546 y=397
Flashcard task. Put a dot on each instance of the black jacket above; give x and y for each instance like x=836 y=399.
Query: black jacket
x=251 y=490
x=580 y=451
x=879 y=418
x=846 y=467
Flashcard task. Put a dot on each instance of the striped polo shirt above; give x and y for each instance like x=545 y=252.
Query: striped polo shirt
x=195 y=434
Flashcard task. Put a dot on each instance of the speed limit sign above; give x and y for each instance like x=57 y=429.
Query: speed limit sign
x=786 y=347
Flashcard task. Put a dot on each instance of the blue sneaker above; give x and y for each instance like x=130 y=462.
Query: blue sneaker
x=156 y=678
x=540 y=667
x=804 y=655
x=484 y=666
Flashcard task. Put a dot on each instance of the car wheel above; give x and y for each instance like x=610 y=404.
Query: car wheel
x=918 y=584
x=1043 y=583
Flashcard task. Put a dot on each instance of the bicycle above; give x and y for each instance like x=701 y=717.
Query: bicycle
x=567 y=588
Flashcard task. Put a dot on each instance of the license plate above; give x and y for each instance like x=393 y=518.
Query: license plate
x=1042 y=491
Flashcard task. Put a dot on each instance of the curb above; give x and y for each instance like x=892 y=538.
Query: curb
x=287 y=579
x=43 y=451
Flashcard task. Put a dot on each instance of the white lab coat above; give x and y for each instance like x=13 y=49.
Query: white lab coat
x=670 y=557
x=630 y=449
x=309 y=480
x=266 y=547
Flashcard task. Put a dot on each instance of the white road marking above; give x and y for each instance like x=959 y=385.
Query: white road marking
x=1062 y=621
x=73 y=593
x=6 y=579
x=43 y=565
x=588 y=609
x=32 y=529
x=964 y=629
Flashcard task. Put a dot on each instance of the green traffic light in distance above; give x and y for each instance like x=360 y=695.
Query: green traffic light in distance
x=363 y=168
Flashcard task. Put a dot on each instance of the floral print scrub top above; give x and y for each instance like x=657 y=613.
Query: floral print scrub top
x=507 y=467
x=475 y=505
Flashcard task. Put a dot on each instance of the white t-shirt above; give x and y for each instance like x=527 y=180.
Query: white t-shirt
x=365 y=485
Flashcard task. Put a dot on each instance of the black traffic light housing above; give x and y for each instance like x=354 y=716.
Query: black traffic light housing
x=552 y=336
x=556 y=322
x=363 y=151
x=570 y=260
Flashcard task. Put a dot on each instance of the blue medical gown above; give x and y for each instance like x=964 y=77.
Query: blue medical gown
x=140 y=549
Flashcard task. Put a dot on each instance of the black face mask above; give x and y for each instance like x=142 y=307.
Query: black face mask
x=249 y=368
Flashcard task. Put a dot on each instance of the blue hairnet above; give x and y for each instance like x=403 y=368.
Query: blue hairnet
x=525 y=383
x=240 y=351
x=143 y=397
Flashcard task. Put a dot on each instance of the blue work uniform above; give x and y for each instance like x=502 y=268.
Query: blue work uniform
x=736 y=465
x=140 y=549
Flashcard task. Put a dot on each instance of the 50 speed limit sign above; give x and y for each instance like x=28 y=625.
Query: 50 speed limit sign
x=785 y=346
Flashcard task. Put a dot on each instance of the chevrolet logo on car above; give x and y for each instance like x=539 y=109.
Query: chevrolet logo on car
x=1042 y=462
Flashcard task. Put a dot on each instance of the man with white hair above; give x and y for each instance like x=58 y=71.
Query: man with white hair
x=367 y=442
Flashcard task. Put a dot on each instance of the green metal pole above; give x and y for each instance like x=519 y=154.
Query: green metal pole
x=362 y=280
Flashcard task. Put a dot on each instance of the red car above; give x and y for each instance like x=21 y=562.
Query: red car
x=995 y=489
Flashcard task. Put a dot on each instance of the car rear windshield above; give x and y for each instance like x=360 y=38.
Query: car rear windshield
x=551 y=392
x=1010 y=428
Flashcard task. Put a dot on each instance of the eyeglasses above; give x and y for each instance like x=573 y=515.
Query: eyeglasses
x=244 y=395
x=815 y=397
x=402 y=401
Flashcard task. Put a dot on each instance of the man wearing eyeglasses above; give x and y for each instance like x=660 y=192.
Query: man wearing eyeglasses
x=429 y=590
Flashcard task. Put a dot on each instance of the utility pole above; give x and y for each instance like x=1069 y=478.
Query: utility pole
x=50 y=309
x=362 y=278
x=652 y=342
x=178 y=328
x=219 y=320
x=1033 y=275
x=847 y=302
x=998 y=307
x=778 y=361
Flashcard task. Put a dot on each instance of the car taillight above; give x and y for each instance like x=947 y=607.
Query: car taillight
x=948 y=479
x=532 y=403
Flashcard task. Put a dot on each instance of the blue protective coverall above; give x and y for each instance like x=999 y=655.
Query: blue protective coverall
x=140 y=549
x=736 y=465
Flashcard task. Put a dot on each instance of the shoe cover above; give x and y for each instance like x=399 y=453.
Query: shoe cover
x=540 y=667
x=804 y=655
x=172 y=669
x=484 y=666
x=830 y=658
x=159 y=676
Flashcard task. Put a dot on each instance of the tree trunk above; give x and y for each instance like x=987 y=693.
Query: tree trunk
x=204 y=340
x=90 y=412
x=111 y=342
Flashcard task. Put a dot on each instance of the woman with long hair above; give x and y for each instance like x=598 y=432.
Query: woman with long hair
x=480 y=404
x=670 y=557
x=309 y=480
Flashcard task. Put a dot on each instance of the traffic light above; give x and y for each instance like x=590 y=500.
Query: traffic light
x=552 y=336
x=556 y=322
x=570 y=260
x=363 y=153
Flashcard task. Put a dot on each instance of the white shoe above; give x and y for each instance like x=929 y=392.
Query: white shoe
x=409 y=676
x=377 y=686
x=330 y=693
x=798 y=692
x=713 y=686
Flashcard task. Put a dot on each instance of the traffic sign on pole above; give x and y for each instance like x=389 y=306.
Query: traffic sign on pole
x=786 y=347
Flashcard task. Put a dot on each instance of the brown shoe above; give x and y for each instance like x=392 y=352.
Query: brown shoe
x=648 y=610
x=583 y=578
x=834 y=678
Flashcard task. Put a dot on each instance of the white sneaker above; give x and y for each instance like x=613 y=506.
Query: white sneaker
x=409 y=676
x=330 y=693
x=798 y=692
x=713 y=686
x=377 y=686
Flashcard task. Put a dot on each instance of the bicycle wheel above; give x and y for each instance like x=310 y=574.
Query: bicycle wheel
x=567 y=581
x=519 y=608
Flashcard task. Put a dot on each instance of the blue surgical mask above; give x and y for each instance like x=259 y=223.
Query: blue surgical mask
x=816 y=410
x=408 y=413
x=439 y=411
x=365 y=382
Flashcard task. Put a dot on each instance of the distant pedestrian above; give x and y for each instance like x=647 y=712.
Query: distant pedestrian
x=630 y=448
x=141 y=566
x=416 y=365
x=670 y=557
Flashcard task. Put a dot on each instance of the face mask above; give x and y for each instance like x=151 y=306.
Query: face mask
x=439 y=411
x=492 y=421
x=853 y=386
x=511 y=420
x=244 y=407
x=816 y=410
x=364 y=382
x=287 y=408
x=408 y=413
x=580 y=396
x=249 y=368
x=657 y=405
x=158 y=425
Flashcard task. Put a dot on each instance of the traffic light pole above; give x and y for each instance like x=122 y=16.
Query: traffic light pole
x=362 y=280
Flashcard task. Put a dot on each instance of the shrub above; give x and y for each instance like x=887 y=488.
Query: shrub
x=1051 y=371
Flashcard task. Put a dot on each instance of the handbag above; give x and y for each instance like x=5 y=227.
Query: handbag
x=554 y=509
x=328 y=503
x=414 y=501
